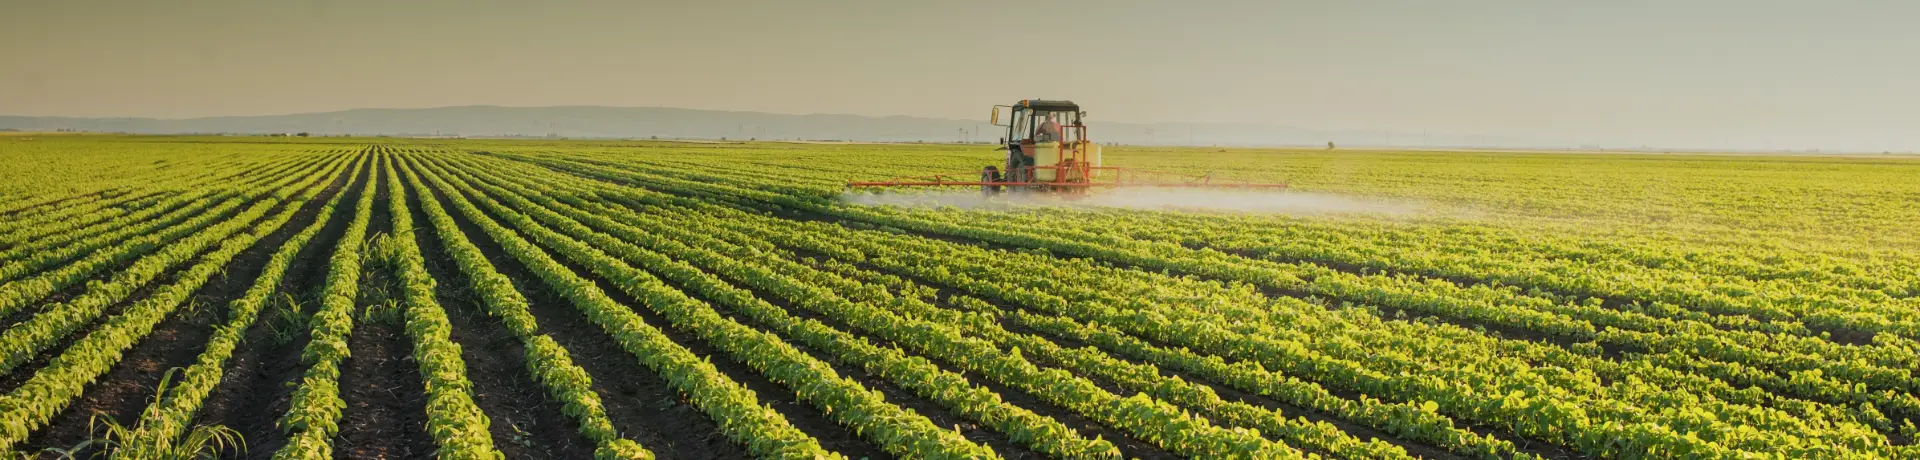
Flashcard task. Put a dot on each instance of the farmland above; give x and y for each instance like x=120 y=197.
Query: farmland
x=402 y=298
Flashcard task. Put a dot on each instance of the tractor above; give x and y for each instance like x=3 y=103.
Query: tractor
x=1048 y=151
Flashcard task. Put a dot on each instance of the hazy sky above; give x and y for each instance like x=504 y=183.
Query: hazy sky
x=1752 y=73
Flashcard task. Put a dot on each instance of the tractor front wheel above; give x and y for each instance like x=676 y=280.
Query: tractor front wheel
x=989 y=174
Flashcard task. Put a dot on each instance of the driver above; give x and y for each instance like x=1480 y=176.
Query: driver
x=1049 y=131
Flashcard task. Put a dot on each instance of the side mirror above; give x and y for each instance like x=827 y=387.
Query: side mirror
x=995 y=119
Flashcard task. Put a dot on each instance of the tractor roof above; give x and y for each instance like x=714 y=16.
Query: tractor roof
x=1040 y=104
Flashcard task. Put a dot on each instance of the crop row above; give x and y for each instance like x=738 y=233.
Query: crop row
x=547 y=362
x=846 y=401
x=108 y=249
x=55 y=385
x=737 y=410
x=173 y=413
x=313 y=415
x=33 y=236
x=939 y=341
x=21 y=342
x=453 y=419
x=1722 y=355
x=1042 y=434
x=1527 y=420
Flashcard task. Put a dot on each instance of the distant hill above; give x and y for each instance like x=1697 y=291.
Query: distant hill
x=632 y=122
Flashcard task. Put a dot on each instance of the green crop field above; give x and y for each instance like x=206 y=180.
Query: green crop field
x=405 y=298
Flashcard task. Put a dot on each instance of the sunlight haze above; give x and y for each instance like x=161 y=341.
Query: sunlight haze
x=1710 y=74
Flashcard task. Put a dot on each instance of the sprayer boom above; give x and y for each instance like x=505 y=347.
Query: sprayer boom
x=1048 y=150
x=1090 y=177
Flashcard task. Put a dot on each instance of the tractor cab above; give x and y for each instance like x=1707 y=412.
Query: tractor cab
x=1046 y=144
